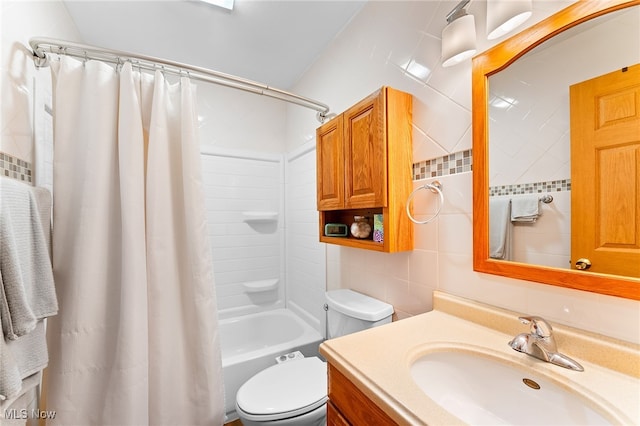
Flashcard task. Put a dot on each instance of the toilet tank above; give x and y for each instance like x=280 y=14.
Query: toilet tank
x=350 y=311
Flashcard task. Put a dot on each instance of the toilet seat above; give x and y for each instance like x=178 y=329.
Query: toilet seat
x=284 y=390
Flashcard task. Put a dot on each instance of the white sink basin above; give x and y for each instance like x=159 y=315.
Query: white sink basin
x=479 y=390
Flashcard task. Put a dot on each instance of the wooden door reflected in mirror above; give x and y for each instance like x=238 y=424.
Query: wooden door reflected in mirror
x=605 y=173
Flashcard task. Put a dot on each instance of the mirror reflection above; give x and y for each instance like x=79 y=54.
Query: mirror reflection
x=537 y=181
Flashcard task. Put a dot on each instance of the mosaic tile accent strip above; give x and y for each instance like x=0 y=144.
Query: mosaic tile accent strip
x=458 y=162
x=531 y=188
x=15 y=168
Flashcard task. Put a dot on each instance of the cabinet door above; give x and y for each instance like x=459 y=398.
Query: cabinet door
x=330 y=165
x=352 y=404
x=334 y=417
x=366 y=153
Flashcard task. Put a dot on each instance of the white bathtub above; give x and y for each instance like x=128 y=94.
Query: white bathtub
x=251 y=343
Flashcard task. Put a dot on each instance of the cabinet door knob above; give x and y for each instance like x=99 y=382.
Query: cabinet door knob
x=583 y=264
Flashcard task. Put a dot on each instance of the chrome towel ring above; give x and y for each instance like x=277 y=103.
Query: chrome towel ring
x=435 y=187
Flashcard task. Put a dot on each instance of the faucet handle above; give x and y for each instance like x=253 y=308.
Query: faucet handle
x=539 y=326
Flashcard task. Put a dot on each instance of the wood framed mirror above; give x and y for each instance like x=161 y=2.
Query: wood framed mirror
x=494 y=61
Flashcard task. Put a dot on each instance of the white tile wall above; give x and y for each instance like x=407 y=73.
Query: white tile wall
x=237 y=182
x=370 y=53
x=529 y=114
x=19 y=21
x=230 y=118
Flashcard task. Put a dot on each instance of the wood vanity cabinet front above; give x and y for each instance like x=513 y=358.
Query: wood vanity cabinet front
x=348 y=405
x=364 y=168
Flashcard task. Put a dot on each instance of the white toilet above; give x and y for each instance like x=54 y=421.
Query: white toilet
x=295 y=392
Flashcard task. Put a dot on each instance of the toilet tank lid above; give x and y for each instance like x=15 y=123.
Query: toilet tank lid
x=358 y=305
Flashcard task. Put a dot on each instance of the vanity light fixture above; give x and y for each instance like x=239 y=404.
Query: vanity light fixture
x=505 y=15
x=459 y=36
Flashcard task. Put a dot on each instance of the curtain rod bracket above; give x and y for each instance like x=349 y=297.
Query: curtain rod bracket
x=40 y=61
x=323 y=116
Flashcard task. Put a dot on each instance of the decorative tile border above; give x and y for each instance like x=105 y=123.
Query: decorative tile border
x=458 y=162
x=531 y=188
x=15 y=168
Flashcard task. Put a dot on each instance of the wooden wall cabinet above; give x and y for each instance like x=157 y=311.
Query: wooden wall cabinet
x=348 y=405
x=364 y=161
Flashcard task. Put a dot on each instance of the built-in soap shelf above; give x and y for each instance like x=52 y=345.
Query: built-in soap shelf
x=260 y=286
x=260 y=216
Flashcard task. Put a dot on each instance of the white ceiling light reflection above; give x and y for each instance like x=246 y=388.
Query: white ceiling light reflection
x=225 y=4
x=417 y=70
x=502 y=102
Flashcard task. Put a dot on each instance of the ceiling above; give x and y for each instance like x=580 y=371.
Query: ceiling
x=270 y=41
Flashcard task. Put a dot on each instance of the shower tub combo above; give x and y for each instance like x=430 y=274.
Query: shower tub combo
x=251 y=343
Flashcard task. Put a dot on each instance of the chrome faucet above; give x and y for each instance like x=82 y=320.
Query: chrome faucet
x=539 y=343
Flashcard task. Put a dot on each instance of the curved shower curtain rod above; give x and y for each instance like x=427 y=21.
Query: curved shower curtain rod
x=41 y=46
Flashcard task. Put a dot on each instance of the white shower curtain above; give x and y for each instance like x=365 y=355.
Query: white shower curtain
x=136 y=338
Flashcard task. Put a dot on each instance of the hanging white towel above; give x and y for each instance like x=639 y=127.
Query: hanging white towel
x=10 y=378
x=23 y=401
x=20 y=360
x=499 y=228
x=525 y=209
x=28 y=292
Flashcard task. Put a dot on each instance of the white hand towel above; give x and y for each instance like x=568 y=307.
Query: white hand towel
x=525 y=209
x=499 y=228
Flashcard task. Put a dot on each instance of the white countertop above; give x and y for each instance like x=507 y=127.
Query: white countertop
x=378 y=360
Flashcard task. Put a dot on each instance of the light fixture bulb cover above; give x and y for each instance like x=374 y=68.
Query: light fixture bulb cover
x=458 y=40
x=503 y=16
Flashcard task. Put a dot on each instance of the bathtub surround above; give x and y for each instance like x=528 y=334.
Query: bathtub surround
x=239 y=183
x=136 y=341
x=244 y=205
x=305 y=256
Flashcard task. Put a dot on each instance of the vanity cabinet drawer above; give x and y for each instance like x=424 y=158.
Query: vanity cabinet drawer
x=348 y=405
x=334 y=417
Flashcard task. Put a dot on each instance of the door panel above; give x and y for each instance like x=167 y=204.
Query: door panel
x=330 y=165
x=605 y=156
x=365 y=150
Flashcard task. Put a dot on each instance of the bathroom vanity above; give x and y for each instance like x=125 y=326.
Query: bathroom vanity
x=374 y=376
x=348 y=405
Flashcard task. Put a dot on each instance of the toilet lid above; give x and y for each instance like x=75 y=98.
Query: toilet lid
x=284 y=390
